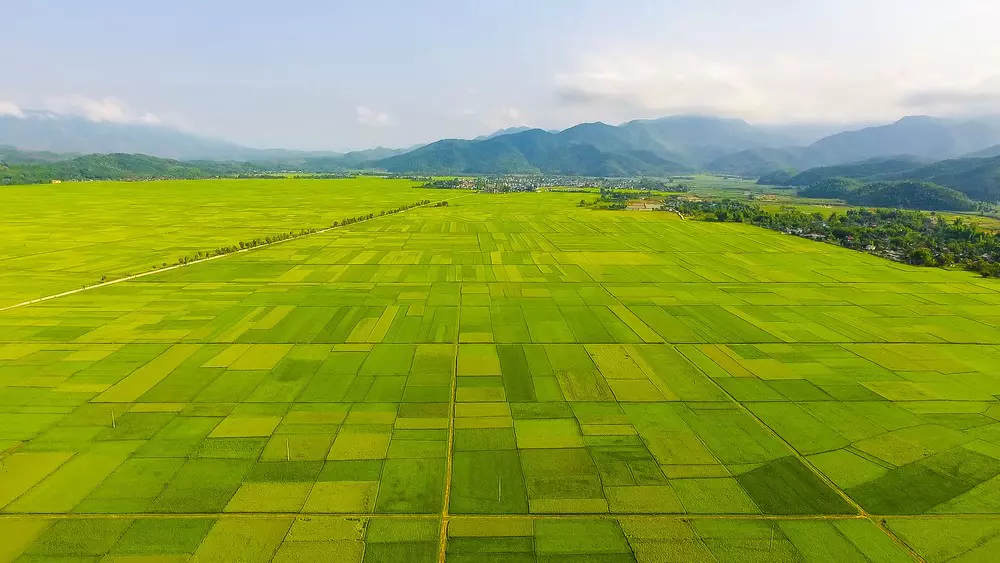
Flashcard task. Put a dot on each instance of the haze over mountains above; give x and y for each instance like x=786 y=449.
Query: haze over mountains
x=670 y=145
x=46 y=132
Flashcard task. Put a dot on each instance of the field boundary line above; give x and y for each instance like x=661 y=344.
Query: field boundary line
x=436 y=516
x=11 y=450
x=876 y=520
x=450 y=453
x=602 y=343
x=202 y=260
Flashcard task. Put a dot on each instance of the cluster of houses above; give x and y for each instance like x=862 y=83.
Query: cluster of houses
x=532 y=183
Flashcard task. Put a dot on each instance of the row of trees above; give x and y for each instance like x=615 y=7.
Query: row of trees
x=279 y=237
x=244 y=245
x=908 y=236
x=618 y=198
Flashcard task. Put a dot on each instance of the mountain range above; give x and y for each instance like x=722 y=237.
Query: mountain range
x=976 y=177
x=691 y=143
x=45 y=132
x=670 y=145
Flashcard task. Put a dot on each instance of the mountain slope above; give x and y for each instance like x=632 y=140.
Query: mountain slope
x=907 y=194
x=47 y=132
x=730 y=135
x=677 y=144
x=536 y=151
x=920 y=136
x=501 y=132
x=978 y=178
x=529 y=152
x=660 y=146
x=988 y=152
x=12 y=155
x=910 y=194
x=757 y=162
x=43 y=131
x=117 y=167
x=875 y=168
x=698 y=140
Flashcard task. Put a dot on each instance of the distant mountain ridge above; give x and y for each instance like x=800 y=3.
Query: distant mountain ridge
x=13 y=155
x=44 y=131
x=660 y=146
x=501 y=132
x=118 y=166
x=693 y=143
x=922 y=137
x=669 y=145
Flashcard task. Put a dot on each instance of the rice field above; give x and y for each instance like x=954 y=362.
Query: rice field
x=509 y=378
x=56 y=238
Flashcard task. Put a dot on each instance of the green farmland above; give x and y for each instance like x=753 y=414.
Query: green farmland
x=508 y=378
x=55 y=238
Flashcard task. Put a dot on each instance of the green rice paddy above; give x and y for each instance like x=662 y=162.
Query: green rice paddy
x=55 y=238
x=509 y=378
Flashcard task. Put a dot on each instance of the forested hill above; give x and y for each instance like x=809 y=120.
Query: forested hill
x=645 y=147
x=642 y=147
x=530 y=152
x=118 y=167
x=977 y=178
x=876 y=168
x=909 y=194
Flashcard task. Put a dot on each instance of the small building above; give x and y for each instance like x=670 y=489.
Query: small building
x=645 y=205
x=56 y=181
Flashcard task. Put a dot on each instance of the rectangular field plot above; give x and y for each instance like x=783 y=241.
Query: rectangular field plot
x=651 y=539
x=508 y=378
x=271 y=538
x=89 y=230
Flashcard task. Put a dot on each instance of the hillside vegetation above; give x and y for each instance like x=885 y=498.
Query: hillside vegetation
x=977 y=178
x=907 y=194
x=118 y=167
x=913 y=237
x=832 y=188
x=670 y=145
x=642 y=147
x=14 y=155
x=910 y=194
x=686 y=143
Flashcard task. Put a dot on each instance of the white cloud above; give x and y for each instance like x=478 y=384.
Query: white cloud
x=512 y=114
x=983 y=97
x=150 y=119
x=491 y=118
x=372 y=118
x=779 y=87
x=679 y=83
x=108 y=109
x=9 y=108
x=104 y=110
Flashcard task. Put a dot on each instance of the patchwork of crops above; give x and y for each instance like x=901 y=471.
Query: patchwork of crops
x=509 y=378
x=58 y=237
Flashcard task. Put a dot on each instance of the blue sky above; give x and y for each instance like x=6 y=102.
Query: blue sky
x=337 y=75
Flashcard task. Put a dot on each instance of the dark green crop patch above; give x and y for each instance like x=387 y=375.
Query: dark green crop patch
x=787 y=486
